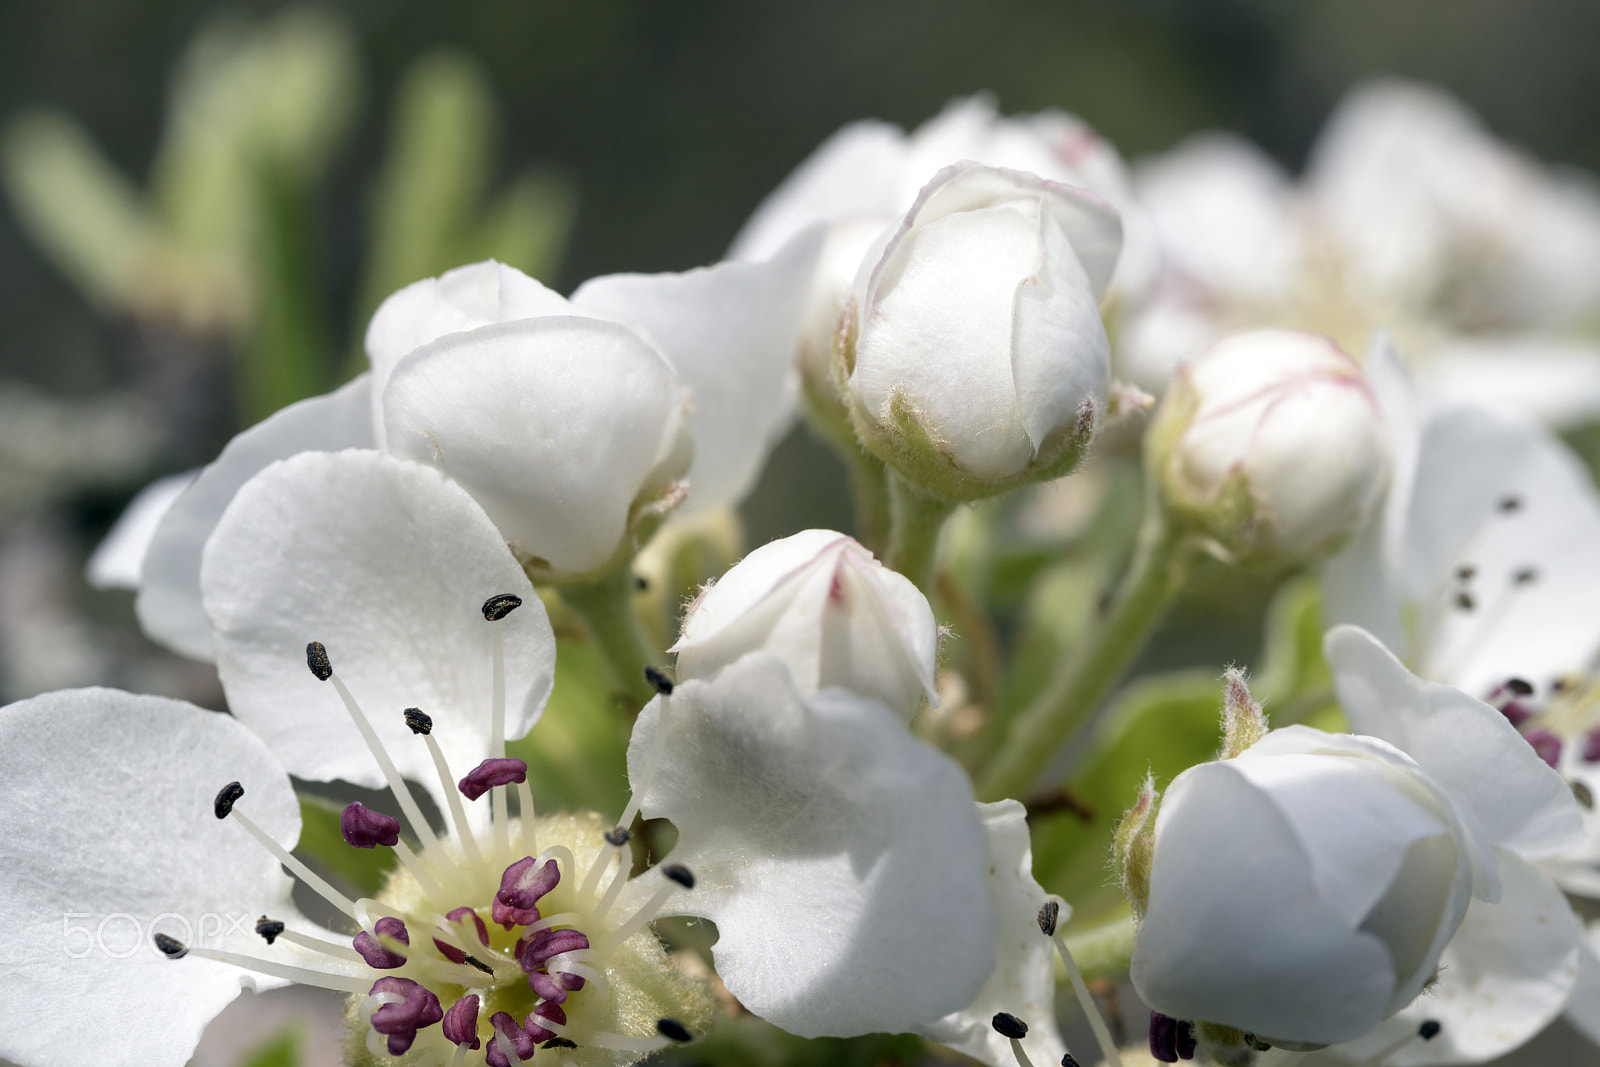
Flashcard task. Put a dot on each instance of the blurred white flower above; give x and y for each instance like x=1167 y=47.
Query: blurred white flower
x=1273 y=442
x=1410 y=218
x=977 y=359
x=834 y=615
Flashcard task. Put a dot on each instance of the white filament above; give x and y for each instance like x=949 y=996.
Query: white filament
x=341 y=981
x=497 y=737
x=397 y=785
x=1091 y=1011
x=304 y=873
x=458 y=814
x=1020 y=1054
x=645 y=913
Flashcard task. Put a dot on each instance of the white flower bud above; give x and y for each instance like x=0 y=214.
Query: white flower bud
x=1303 y=891
x=979 y=360
x=1271 y=442
x=834 y=615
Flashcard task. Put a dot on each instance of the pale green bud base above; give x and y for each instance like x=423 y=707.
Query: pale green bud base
x=644 y=983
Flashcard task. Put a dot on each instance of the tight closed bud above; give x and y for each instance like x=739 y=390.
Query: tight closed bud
x=1303 y=890
x=834 y=615
x=1272 y=443
x=974 y=352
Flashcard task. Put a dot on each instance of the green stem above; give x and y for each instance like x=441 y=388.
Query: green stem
x=1159 y=570
x=869 y=492
x=1104 y=951
x=606 y=605
x=916 y=519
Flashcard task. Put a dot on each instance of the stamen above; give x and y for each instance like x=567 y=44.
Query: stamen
x=534 y=952
x=269 y=929
x=317 y=660
x=458 y=814
x=374 y=949
x=458 y=918
x=1049 y=914
x=522 y=886
x=345 y=983
x=419 y=721
x=1187 y=1041
x=545 y=1013
x=362 y=827
x=525 y=812
x=618 y=836
x=1068 y=1060
x=491 y=773
x=419 y=870
x=272 y=929
x=495 y=609
x=658 y=680
x=397 y=786
x=1163 y=1038
x=417 y=1008
x=1429 y=1029
x=1014 y=1029
x=673 y=1030
x=613 y=1042
x=500 y=605
x=232 y=792
x=171 y=947
x=597 y=869
x=677 y=876
x=461 y=1022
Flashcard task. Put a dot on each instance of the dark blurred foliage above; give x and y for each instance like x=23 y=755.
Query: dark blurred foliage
x=676 y=117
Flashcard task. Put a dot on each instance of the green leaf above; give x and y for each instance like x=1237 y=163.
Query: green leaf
x=324 y=847
x=1161 y=725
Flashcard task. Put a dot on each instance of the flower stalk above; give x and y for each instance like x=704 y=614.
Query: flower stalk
x=606 y=605
x=916 y=520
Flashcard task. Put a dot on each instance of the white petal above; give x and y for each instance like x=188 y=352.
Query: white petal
x=730 y=332
x=857 y=171
x=1023 y=982
x=168 y=604
x=1463 y=743
x=1583 y=1007
x=1505 y=976
x=387 y=563
x=118 y=560
x=1554 y=379
x=1469 y=465
x=1259 y=949
x=460 y=299
x=555 y=426
x=841 y=859
x=107 y=836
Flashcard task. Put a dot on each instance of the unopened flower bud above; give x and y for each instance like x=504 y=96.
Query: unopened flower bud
x=1303 y=890
x=975 y=354
x=1272 y=444
x=834 y=615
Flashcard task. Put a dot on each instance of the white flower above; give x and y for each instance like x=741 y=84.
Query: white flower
x=1273 y=442
x=1514 y=962
x=1410 y=218
x=864 y=839
x=834 y=615
x=567 y=420
x=978 y=359
x=1309 y=889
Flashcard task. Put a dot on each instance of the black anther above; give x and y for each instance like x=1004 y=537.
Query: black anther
x=171 y=947
x=1429 y=1029
x=226 y=799
x=500 y=605
x=1007 y=1025
x=317 y=660
x=658 y=680
x=419 y=721
x=1520 y=686
x=618 y=836
x=269 y=929
x=680 y=874
x=1048 y=914
x=673 y=1030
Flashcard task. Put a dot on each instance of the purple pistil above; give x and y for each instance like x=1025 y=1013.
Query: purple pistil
x=522 y=1043
x=1546 y=744
x=521 y=886
x=459 y=916
x=373 y=951
x=547 y=1010
x=533 y=952
x=1591 y=747
x=400 y=1020
x=365 y=828
x=461 y=1022
x=1163 y=1038
x=490 y=773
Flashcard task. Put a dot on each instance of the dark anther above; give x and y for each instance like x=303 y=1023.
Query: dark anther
x=680 y=874
x=1256 y=1043
x=1069 y=1060
x=419 y=721
x=1520 y=686
x=317 y=660
x=500 y=605
x=1163 y=1038
x=1048 y=914
x=1583 y=794
x=269 y=929
x=658 y=680
x=171 y=947
x=1186 y=1042
x=1525 y=575
x=673 y=1030
x=1464 y=602
x=227 y=799
x=1429 y=1029
x=1007 y=1025
x=1509 y=503
x=618 y=836
x=1465 y=572
x=559 y=1042
x=641 y=584
x=476 y=962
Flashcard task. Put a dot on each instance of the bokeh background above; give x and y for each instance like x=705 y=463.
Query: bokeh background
x=203 y=202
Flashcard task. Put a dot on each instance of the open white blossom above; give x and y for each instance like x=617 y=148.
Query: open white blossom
x=832 y=613
x=568 y=421
x=1410 y=218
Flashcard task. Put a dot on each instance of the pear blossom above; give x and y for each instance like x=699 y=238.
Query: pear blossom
x=1272 y=442
x=1307 y=890
x=1410 y=217
x=569 y=421
x=829 y=841
x=834 y=615
x=975 y=353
